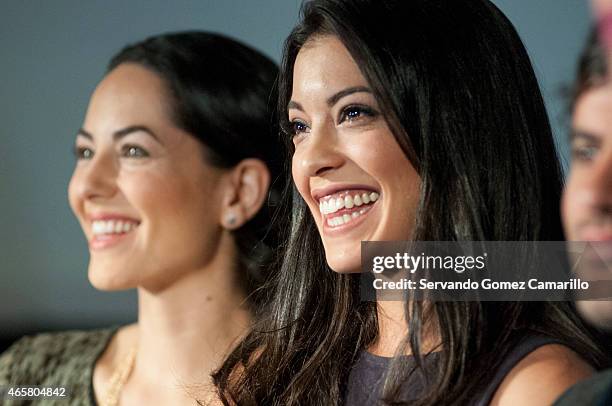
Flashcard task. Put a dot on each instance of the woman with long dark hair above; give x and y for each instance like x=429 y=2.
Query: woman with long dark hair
x=408 y=120
x=177 y=169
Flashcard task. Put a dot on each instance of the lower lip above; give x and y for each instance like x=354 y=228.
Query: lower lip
x=104 y=241
x=335 y=230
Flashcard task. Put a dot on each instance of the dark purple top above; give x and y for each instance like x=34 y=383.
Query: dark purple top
x=367 y=376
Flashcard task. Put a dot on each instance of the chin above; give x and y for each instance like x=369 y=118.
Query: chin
x=346 y=261
x=597 y=313
x=106 y=278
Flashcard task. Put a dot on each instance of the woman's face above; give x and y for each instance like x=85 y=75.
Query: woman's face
x=141 y=189
x=347 y=165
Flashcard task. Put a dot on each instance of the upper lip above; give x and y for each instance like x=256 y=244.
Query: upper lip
x=318 y=193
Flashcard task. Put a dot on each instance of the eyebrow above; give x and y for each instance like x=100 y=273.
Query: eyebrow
x=117 y=135
x=579 y=134
x=333 y=99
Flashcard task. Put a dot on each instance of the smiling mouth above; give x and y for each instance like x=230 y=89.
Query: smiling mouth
x=341 y=208
x=107 y=233
x=108 y=227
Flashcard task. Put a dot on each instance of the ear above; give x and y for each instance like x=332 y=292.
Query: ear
x=247 y=190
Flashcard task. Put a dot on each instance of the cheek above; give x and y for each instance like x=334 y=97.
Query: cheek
x=299 y=177
x=377 y=153
x=158 y=184
x=74 y=198
x=145 y=191
x=569 y=203
x=387 y=164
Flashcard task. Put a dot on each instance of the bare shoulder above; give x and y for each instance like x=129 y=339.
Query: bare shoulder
x=542 y=376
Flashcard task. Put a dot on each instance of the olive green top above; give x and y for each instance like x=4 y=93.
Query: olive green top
x=54 y=360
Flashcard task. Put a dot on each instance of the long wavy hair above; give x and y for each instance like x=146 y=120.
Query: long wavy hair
x=459 y=93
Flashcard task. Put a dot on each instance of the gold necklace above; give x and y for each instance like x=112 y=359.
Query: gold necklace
x=119 y=378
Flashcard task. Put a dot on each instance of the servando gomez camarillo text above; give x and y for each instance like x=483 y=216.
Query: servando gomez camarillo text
x=474 y=270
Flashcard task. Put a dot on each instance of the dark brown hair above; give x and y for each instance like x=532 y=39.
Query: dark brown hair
x=223 y=93
x=457 y=88
x=592 y=67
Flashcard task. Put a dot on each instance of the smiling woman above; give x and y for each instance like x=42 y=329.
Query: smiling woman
x=177 y=169
x=409 y=120
x=346 y=129
x=144 y=194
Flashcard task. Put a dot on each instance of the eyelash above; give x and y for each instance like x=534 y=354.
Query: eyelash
x=584 y=153
x=355 y=108
x=80 y=152
x=292 y=129
x=345 y=114
x=127 y=151
x=133 y=151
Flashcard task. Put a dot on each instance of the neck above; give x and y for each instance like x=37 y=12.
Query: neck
x=185 y=331
x=393 y=330
x=392 y=327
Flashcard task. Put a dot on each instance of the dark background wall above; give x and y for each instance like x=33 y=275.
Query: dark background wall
x=52 y=54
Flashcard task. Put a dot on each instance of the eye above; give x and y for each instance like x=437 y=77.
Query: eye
x=298 y=127
x=297 y=130
x=355 y=112
x=584 y=153
x=83 y=153
x=133 y=151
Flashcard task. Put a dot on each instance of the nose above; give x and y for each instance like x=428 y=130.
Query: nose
x=96 y=177
x=597 y=190
x=321 y=153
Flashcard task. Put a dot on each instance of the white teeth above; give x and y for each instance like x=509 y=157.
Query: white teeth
x=339 y=203
x=332 y=205
x=99 y=227
x=329 y=206
x=348 y=202
x=345 y=218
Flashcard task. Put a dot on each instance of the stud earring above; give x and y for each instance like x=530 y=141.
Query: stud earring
x=231 y=219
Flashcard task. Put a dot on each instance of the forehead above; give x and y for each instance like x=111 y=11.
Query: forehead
x=129 y=92
x=324 y=66
x=593 y=110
